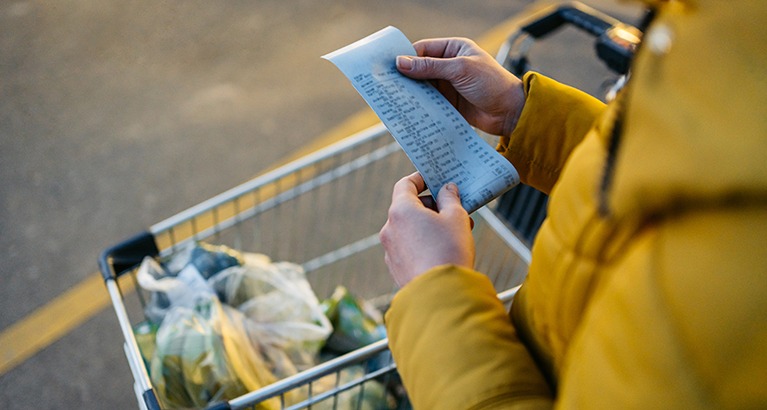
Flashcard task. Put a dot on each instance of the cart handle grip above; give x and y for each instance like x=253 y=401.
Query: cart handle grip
x=575 y=13
x=616 y=41
x=116 y=260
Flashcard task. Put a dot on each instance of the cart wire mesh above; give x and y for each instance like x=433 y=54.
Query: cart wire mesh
x=323 y=212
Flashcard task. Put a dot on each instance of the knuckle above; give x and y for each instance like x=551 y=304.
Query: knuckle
x=424 y=64
x=400 y=183
x=383 y=236
x=395 y=213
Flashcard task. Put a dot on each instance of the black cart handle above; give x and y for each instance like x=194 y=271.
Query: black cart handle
x=616 y=41
x=126 y=255
x=577 y=14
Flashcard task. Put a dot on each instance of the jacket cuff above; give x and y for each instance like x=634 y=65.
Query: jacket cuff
x=554 y=120
x=454 y=343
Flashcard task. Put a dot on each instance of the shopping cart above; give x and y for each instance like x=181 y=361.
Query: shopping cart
x=322 y=211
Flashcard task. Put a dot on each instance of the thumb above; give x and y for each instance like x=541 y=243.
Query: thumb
x=426 y=68
x=448 y=197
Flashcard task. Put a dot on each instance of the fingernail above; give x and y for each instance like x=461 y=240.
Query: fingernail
x=452 y=187
x=404 y=63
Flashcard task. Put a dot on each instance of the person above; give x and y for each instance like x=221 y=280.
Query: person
x=648 y=281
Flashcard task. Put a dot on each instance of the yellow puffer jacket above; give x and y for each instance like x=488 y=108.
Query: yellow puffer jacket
x=659 y=299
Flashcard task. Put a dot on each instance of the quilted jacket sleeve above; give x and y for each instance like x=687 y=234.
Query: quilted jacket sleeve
x=554 y=120
x=456 y=348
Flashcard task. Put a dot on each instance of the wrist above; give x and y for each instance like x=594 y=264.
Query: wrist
x=516 y=103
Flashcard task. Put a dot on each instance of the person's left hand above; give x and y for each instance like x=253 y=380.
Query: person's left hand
x=485 y=93
x=419 y=236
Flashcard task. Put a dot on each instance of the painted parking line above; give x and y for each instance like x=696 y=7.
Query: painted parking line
x=47 y=324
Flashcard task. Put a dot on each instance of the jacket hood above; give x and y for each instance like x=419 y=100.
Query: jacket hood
x=695 y=126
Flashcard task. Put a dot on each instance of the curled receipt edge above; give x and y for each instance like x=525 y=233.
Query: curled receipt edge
x=439 y=142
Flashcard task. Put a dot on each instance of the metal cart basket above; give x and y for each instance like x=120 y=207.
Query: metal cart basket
x=322 y=211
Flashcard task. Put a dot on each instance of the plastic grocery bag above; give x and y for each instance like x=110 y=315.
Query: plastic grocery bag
x=203 y=354
x=167 y=291
x=285 y=315
x=183 y=279
x=277 y=316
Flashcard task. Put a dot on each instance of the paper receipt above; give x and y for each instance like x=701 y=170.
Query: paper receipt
x=436 y=138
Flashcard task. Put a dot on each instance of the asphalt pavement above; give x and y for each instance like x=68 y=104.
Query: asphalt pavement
x=115 y=115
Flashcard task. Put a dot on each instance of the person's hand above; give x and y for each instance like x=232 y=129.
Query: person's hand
x=420 y=234
x=486 y=94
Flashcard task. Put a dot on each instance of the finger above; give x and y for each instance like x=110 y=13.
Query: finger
x=448 y=199
x=443 y=47
x=430 y=68
x=409 y=187
x=432 y=47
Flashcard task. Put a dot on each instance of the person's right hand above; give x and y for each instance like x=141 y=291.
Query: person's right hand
x=486 y=94
x=420 y=234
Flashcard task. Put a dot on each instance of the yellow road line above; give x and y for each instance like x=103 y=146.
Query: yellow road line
x=79 y=304
x=50 y=322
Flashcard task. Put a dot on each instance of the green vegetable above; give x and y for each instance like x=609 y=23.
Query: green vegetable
x=355 y=322
x=145 y=333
